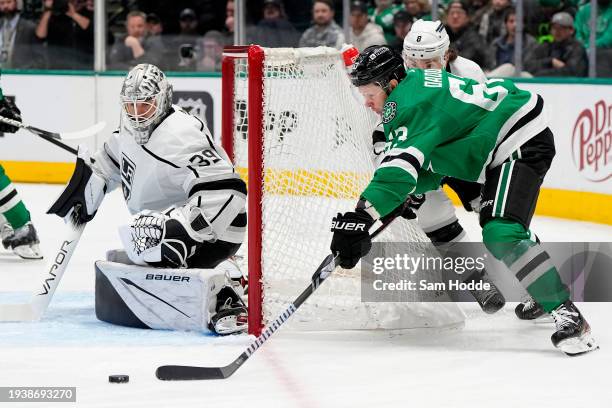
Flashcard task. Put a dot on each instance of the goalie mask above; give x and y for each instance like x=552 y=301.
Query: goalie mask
x=427 y=40
x=377 y=64
x=146 y=98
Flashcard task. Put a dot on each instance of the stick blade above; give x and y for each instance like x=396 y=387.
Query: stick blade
x=183 y=373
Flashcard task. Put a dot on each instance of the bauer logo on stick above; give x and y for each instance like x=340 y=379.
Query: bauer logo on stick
x=389 y=111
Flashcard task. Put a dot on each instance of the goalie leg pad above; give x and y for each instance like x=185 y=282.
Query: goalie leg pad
x=147 y=297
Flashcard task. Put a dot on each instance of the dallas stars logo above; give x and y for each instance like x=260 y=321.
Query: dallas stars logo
x=388 y=112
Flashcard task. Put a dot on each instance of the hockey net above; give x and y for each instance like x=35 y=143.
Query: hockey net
x=300 y=136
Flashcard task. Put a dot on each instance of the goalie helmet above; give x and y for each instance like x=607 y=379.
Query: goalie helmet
x=146 y=98
x=377 y=64
x=426 y=40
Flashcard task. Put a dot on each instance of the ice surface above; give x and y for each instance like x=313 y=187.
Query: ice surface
x=494 y=361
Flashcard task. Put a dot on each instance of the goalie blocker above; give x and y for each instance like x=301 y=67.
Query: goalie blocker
x=176 y=299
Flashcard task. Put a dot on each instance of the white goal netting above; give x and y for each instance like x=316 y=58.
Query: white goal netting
x=317 y=159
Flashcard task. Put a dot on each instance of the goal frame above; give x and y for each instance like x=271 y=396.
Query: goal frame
x=255 y=105
x=267 y=291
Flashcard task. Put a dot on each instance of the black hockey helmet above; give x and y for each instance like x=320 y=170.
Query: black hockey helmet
x=377 y=64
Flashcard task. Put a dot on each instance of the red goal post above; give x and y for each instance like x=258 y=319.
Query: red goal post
x=255 y=56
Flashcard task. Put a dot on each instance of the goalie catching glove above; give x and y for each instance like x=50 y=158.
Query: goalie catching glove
x=164 y=240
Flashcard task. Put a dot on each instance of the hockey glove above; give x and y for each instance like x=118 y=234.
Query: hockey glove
x=10 y=111
x=351 y=239
x=415 y=201
x=406 y=210
x=165 y=241
x=84 y=192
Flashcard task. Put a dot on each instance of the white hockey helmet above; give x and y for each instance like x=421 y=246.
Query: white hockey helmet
x=146 y=98
x=426 y=40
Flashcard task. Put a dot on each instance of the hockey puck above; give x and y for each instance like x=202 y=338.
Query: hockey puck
x=118 y=378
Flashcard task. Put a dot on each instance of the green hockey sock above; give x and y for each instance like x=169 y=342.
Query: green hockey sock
x=11 y=206
x=509 y=242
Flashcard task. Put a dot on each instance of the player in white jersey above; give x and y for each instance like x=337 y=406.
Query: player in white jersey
x=188 y=202
x=427 y=46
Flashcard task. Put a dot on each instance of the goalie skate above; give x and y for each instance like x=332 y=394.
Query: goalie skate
x=573 y=335
x=22 y=241
x=232 y=314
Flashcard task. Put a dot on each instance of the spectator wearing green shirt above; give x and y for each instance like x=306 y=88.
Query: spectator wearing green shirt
x=382 y=15
x=603 y=36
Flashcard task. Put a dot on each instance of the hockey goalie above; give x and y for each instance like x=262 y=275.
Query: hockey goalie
x=189 y=216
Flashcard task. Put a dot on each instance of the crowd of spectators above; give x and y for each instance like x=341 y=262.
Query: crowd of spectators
x=190 y=34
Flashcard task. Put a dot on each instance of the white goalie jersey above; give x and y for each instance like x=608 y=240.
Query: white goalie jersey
x=179 y=166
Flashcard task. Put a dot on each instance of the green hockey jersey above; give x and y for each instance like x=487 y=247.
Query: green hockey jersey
x=438 y=124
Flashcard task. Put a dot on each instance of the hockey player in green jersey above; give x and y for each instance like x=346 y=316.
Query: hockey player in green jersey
x=436 y=125
x=16 y=228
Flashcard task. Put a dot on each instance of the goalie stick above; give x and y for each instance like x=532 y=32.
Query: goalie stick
x=48 y=282
x=180 y=372
x=47 y=135
x=55 y=270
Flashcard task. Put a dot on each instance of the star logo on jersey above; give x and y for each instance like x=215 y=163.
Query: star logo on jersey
x=388 y=113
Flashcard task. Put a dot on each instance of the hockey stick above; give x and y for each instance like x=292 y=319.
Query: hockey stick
x=178 y=372
x=45 y=134
x=56 y=137
x=55 y=270
x=49 y=281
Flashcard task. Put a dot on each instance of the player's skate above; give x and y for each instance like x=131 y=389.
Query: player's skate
x=490 y=300
x=529 y=309
x=231 y=316
x=23 y=241
x=573 y=335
